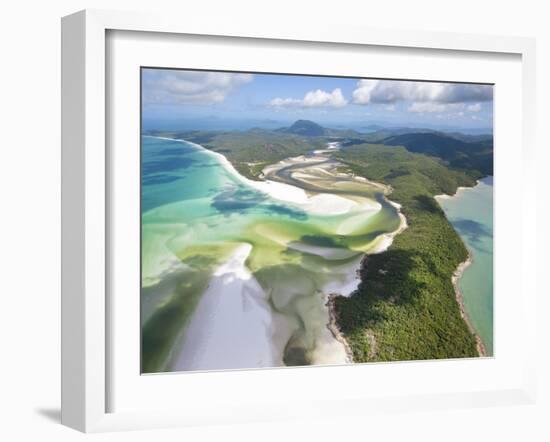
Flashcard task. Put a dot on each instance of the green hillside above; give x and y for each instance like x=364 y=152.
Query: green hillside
x=405 y=307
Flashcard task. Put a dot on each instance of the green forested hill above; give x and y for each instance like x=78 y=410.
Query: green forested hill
x=405 y=307
x=306 y=128
x=472 y=156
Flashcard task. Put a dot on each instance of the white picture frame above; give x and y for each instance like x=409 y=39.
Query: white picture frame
x=86 y=201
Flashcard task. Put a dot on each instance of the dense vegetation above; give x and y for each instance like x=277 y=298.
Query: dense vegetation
x=469 y=155
x=250 y=151
x=405 y=306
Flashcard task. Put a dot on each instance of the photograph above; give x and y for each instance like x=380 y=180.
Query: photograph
x=305 y=220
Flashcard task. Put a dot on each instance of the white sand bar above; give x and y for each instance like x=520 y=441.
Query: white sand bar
x=233 y=310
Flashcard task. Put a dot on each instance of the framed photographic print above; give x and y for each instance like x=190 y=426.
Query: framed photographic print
x=291 y=223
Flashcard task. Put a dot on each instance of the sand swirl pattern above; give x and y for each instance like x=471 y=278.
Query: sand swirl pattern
x=236 y=273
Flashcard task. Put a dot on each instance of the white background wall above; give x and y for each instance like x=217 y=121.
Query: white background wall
x=30 y=220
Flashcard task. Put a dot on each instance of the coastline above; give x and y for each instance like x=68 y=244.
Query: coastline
x=387 y=241
x=335 y=330
x=323 y=203
x=326 y=204
x=384 y=241
x=457 y=275
x=460 y=299
x=427 y=328
x=277 y=191
x=445 y=196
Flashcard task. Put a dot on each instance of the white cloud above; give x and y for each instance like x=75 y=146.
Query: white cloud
x=322 y=98
x=189 y=87
x=391 y=91
x=362 y=94
x=474 y=107
x=316 y=98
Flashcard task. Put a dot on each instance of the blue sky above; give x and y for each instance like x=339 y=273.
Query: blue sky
x=179 y=95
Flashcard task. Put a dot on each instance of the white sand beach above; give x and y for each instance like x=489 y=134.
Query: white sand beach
x=319 y=204
x=233 y=309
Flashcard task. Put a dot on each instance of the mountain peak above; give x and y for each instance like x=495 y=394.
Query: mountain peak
x=307 y=128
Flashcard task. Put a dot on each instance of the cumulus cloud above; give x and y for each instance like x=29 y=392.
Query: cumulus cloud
x=364 y=91
x=317 y=98
x=189 y=87
x=418 y=93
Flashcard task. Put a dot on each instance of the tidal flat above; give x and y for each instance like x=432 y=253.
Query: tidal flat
x=237 y=273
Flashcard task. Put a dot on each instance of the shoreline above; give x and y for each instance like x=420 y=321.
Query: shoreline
x=323 y=203
x=455 y=278
x=297 y=195
x=387 y=240
x=384 y=241
x=389 y=237
x=445 y=196
x=335 y=329
x=333 y=317
x=457 y=275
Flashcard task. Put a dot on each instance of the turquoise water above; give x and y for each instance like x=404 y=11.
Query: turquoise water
x=235 y=278
x=470 y=211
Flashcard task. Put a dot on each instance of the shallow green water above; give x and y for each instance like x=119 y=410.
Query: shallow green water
x=235 y=278
x=470 y=211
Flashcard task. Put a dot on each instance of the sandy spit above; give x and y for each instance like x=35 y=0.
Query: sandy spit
x=320 y=204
